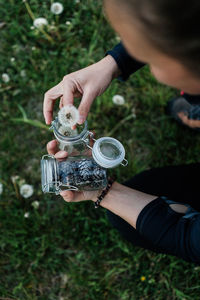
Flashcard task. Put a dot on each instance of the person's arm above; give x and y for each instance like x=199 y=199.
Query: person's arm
x=127 y=64
x=172 y=232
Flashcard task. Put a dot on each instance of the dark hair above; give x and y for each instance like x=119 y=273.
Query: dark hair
x=173 y=26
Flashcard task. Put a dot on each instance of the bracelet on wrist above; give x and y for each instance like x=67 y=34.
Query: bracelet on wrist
x=103 y=193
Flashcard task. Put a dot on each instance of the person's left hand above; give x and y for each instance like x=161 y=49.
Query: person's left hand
x=70 y=196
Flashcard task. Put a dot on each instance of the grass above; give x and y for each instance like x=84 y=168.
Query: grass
x=70 y=251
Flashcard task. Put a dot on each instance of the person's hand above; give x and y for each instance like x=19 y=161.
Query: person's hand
x=69 y=196
x=189 y=122
x=87 y=83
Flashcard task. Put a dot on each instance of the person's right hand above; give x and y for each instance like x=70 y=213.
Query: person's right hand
x=87 y=83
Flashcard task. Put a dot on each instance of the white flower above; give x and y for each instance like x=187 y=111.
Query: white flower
x=23 y=73
x=12 y=59
x=118 y=100
x=32 y=27
x=26 y=190
x=5 y=77
x=35 y=204
x=77 y=1
x=68 y=23
x=1 y=188
x=67 y=131
x=68 y=115
x=26 y=215
x=40 y=22
x=57 y=8
x=33 y=48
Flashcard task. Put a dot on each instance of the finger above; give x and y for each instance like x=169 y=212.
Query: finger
x=68 y=196
x=189 y=122
x=52 y=147
x=49 y=100
x=61 y=154
x=85 y=105
x=68 y=92
x=61 y=102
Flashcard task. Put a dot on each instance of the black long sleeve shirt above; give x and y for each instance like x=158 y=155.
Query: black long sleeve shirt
x=174 y=233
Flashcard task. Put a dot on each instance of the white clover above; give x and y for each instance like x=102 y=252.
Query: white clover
x=23 y=73
x=40 y=22
x=68 y=23
x=26 y=215
x=1 y=188
x=33 y=48
x=26 y=190
x=35 y=204
x=5 y=77
x=68 y=115
x=67 y=131
x=32 y=27
x=57 y=8
x=12 y=59
x=118 y=100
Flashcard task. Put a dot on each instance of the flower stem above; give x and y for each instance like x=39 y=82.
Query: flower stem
x=31 y=14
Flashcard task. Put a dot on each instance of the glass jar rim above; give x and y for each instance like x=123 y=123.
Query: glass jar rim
x=64 y=138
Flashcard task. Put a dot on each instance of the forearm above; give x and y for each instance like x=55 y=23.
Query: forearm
x=109 y=63
x=125 y=202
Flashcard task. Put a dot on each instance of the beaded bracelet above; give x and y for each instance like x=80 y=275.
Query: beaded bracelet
x=103 y=193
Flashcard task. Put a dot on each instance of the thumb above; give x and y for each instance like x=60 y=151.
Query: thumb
x=84 y=107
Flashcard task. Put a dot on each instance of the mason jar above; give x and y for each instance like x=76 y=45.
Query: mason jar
x=73 y=173
x=75 y=142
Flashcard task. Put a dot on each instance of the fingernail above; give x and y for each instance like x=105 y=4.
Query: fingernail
x=81 y=120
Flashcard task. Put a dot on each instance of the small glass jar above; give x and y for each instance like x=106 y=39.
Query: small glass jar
x=85 y=168
x=73 y=173
x=73 y=141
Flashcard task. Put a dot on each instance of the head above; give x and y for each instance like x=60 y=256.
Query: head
x=164 y=34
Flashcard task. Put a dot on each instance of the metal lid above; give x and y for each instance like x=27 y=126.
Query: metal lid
x=49 y=174
x=109 y=152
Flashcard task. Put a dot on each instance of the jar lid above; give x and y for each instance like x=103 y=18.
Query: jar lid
x=49 y=174
x=109 y=152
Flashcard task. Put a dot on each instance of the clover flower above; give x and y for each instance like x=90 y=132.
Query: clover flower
x=26 y=215
x=35 y=204
x=1 y=188
x=26 y=190
x=57 y=8
x=23 y=73
x=12 y=59
x=40 y=22
x=118 y=100
x=5 y=77
x=68 y=115
x=68 y=23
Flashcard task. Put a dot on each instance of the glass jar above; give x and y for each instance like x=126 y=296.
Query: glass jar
x=75 y=142
x=85 y=168
x=73 y=173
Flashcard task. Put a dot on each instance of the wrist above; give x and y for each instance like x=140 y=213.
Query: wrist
x=110 y=64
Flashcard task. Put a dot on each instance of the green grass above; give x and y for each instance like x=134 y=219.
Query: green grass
x=70 y=251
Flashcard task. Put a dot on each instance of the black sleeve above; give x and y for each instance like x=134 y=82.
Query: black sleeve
x=170 y=231
x=126 y=63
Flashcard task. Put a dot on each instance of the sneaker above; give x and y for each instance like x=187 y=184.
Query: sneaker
x=185 y=112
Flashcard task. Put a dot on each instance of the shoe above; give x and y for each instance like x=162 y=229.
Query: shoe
x=190 y=113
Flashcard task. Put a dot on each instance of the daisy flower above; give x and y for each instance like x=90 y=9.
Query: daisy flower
x=40 y=22
x=26 y=190
x=57 y=8
x=68 y=115
x=118 y=100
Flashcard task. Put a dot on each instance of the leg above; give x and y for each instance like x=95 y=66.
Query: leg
x=178 y=183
